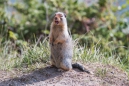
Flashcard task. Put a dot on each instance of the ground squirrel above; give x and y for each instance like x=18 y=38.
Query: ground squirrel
x=61 y=44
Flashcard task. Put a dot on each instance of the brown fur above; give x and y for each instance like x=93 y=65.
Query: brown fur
x=60 y=43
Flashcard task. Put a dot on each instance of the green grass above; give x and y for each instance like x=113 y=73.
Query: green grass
x=30 y=55
x=36 y=56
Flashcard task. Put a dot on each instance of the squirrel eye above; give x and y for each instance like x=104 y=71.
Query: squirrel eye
x=65 y=15
x=60 y=18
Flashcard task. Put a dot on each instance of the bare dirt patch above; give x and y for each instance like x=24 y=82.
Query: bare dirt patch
x=103 y=75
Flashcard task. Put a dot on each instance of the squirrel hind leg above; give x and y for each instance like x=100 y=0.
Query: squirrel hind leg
x=52 y=61
x=66 y=65
x=61 y=70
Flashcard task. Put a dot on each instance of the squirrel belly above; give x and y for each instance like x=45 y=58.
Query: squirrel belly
x=61 y=55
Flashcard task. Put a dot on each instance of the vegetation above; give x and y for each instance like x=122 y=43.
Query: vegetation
x=99 y=34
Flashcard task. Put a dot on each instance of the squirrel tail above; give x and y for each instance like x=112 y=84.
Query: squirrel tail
x=80 y=67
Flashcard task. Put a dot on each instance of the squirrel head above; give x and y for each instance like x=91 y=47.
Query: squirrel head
x=59 y=19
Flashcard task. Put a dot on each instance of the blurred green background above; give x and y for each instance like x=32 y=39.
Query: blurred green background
x=26 y=19
x=91 y=22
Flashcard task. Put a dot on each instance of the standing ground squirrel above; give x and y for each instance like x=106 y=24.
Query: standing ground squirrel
x=61 y=44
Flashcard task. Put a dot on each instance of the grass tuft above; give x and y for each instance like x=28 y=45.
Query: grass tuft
x=37 y=55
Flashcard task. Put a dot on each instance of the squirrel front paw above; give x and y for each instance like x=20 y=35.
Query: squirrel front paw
x=55 y=42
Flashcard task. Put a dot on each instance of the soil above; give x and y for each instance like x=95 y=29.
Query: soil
x=101 y=75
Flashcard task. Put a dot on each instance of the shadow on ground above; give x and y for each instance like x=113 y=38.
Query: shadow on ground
x=50 y=76
x=34 y=77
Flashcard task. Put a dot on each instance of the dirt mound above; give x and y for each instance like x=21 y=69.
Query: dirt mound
x=103 y=75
